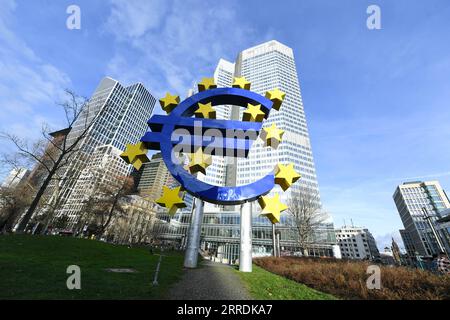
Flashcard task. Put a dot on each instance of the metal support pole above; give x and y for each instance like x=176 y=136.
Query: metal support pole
x=278 y=235
x=193 y=245
x=274 y=241
x=245 y=257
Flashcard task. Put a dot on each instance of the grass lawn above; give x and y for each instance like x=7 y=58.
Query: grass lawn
x=265 y=285
x=34 y=267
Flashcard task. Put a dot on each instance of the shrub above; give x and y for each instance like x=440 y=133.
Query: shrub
x=347 y=279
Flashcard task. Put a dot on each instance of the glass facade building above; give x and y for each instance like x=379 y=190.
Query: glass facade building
x=117 y=115
x=267 y=66
x=420 y=205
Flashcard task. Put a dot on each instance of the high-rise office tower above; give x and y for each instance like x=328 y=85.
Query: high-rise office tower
x=419 y=205
x=267 y=66
x=216 y=172
x=223 y=77
x=39 y=172
x=116 y=115
x=407 y=242
x=15 y=177
x=152 y=176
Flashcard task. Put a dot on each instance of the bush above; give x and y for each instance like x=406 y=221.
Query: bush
x=347 y=279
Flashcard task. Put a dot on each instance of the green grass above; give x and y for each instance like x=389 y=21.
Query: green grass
x=34 y=267
x=264 y=285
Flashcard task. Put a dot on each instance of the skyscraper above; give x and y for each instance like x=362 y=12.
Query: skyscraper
x=216 y=173
x=407 y=242
x=419 y=205
x=152 y=176
x=15 y=177
x=267 y=66
x=118 y=116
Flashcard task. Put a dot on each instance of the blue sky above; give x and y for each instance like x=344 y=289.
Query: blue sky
x=377 y=101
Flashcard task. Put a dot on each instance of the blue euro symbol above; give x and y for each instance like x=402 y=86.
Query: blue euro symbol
x=161 y=137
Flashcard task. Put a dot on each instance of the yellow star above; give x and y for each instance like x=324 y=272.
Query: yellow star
x=253 y=113
x=285 y=175
x=241 y=83
x=169 y=102
x=199 y=162
x=205 y=111
x=272 y=207
x=171 y=200
x=206 y=84
x=272 y=136
x=135 y=154
x=277 y=97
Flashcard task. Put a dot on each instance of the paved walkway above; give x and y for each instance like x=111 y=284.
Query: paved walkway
x=211 y=281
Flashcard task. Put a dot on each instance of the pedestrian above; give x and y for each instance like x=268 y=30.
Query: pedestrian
x=443 y=264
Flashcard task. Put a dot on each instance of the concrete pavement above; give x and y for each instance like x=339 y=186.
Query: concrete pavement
x=211 y=281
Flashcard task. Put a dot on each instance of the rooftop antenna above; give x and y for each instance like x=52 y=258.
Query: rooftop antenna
x=352 y=223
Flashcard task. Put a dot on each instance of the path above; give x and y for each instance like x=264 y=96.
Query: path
x=211 y=281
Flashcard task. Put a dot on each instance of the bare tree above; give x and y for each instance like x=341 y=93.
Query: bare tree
x=134 y=227
x=306 y=216
x=106 y=203
x=13 y=202
x=143 y=227
x=53 y=153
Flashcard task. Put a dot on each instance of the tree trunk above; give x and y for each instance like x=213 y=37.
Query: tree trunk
x=111 y=212
x=9 y=223
x=26 y=218
x=3 y=224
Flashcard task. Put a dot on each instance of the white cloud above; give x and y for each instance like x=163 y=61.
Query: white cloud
x=133 y=18
x=426 y=176
x=29 y=86
x=170 y=48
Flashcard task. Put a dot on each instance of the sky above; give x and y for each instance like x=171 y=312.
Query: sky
x=377 y=101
